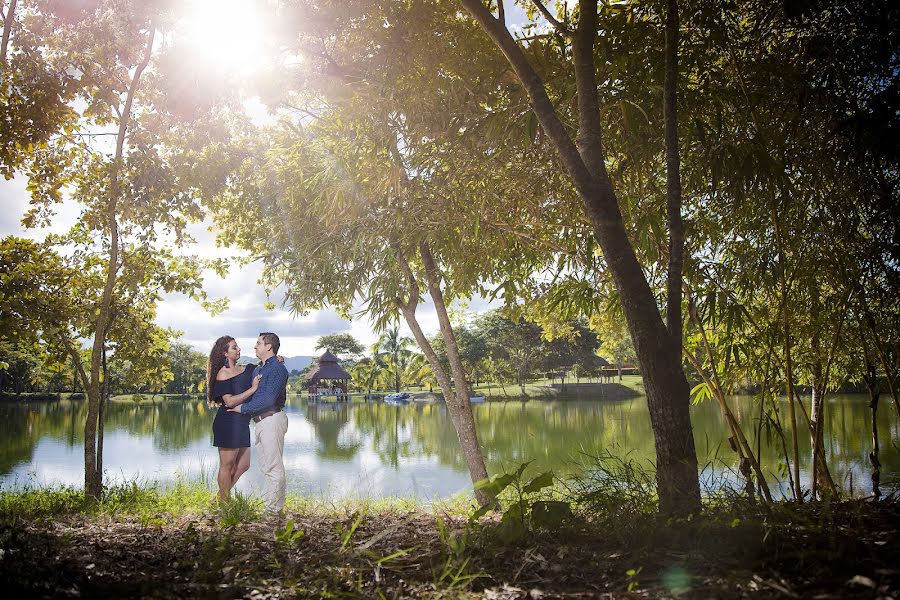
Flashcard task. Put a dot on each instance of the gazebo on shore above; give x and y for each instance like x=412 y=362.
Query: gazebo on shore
x=328 y=378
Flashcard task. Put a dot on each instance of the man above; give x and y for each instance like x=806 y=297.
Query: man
x=266 y=407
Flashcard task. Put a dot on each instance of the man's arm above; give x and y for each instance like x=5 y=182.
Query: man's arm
x=273 y=381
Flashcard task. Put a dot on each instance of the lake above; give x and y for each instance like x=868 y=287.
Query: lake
x=338 y=451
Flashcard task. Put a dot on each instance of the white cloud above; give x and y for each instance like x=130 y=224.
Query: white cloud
x=14 y=203
x=246 y=315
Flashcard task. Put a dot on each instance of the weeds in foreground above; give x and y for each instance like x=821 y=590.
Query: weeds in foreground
x=39 y=503
x=613 y=538
x=613 y=486
x=345 y=533
x=454 y=577
x=526 y=505
x=289 y=534
x=238 y=509
x=632 y=575
x=454 y=574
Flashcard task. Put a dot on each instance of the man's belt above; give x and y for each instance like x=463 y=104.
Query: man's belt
x=268 y=413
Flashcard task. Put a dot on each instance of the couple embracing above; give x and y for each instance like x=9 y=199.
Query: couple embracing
x=243 y=394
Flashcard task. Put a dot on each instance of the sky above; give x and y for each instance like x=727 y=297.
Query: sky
x=246 y=316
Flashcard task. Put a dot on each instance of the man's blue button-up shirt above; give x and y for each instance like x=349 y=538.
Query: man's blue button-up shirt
x=271 y=386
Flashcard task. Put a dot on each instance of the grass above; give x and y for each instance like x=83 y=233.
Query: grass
x=150 y=503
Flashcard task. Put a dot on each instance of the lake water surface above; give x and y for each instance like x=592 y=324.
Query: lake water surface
x=375 y=450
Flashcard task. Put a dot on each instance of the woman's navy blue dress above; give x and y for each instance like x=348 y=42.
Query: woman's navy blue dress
x=231 y=429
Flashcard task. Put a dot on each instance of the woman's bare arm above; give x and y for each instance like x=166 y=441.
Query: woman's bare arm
x=232 y=400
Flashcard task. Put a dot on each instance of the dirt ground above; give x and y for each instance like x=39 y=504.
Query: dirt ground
x=835 y=551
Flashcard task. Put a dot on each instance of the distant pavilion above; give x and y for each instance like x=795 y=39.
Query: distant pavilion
x=328 y=378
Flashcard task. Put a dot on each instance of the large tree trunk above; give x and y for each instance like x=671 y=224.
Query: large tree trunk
x=101 y=414
x=460 y=412
x=93 y=466
x=664 y=380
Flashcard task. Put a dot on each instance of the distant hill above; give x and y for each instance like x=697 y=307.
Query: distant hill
x=292 y=363
x=297 y=363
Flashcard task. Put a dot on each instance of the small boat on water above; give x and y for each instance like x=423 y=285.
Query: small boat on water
x=476 y=399
x=397 y=399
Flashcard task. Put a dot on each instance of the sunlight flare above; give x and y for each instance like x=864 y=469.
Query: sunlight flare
x=226 y=34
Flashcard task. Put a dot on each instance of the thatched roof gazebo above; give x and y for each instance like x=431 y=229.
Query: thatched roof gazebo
x=327 y=370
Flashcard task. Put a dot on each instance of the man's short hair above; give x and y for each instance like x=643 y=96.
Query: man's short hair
x=271 y=339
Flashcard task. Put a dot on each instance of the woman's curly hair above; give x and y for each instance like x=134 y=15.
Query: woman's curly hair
x=213 y=366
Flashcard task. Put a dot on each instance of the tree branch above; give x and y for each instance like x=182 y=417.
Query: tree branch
x=605 y=212
x=413 y=299
x=76 y=358
x=588 y=142
x=551 y=19
x=7 y=28
x=673 y=179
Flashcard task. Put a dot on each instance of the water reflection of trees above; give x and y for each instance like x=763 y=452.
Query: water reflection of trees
x=329 y=421
x=17 y=443
x=557 y=435
x=510 y=433
x=564 y=436
x=171 y=425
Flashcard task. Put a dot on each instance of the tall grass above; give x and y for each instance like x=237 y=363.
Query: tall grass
x=137 y=497
x=151 y=503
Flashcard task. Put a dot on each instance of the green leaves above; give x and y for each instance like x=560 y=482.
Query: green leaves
x=544 y=480
x=288 y=534
x=700 y=392
x=524 y=507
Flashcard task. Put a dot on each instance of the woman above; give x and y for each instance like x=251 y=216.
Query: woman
x=228 y=385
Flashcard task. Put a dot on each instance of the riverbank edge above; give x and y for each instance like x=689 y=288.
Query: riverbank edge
x=568 y=392
x=140 y=542
x=630 y=386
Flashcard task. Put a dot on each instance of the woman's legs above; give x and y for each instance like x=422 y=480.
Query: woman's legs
x=241 y=465
x=227 y=461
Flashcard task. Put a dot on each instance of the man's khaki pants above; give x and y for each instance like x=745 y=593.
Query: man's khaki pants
x=270 y=452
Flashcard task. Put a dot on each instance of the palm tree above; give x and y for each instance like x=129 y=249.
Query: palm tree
x=367 y=372
x=418 y=369
x=396 y=348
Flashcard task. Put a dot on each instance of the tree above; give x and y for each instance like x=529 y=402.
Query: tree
x=395 y=348
x=616 y=343
x=367 y=372
x=797 y=211
x=340 y=344
x=418 y=371
x=576 y=349
x=583 y=159
x=22 y=368
x=92 y=58
x=517 y=342
x=473 y=349
x=188 y=368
